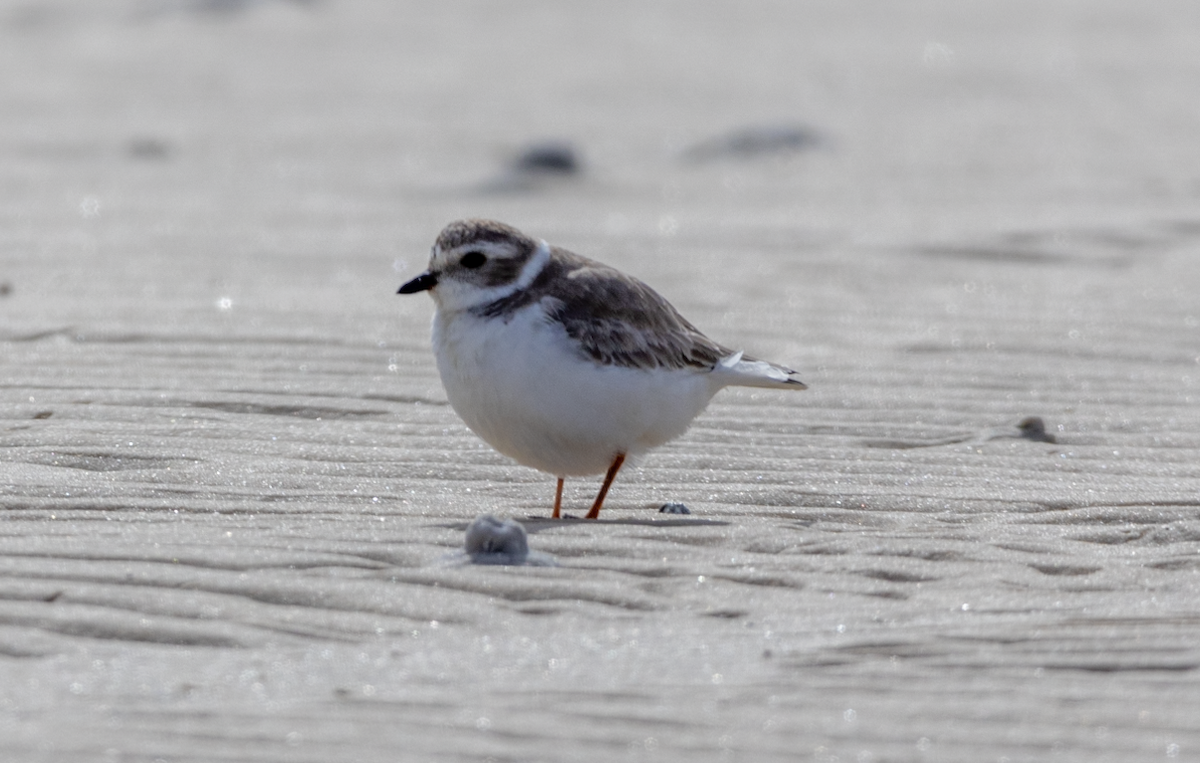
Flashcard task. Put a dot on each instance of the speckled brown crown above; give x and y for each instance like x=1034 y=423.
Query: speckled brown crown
x=462 y=232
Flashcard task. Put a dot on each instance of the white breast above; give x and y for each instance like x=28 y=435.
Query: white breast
x=523 y=388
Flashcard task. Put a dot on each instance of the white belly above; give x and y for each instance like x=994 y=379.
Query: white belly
x=521 y=387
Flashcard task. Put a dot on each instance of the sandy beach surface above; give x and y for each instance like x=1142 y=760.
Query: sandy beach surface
x=232 y=490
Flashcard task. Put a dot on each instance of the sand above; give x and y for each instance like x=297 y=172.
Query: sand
x=233 y=497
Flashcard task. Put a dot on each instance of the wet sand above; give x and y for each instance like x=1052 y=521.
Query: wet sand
x=232 y=488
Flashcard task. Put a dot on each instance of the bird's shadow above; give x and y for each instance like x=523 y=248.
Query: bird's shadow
x=534 y=524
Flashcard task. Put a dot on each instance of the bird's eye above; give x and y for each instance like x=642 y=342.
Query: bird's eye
x=473 y=260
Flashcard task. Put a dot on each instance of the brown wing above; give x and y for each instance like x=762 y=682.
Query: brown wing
x=620 y=321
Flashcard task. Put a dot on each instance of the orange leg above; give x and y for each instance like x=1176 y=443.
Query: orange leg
x=557 y=499
x=608 y=478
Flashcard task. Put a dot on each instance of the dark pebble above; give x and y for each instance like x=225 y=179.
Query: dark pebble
x=550 y=157
x=750 y=142
x=149 y=148
x=1033 y=428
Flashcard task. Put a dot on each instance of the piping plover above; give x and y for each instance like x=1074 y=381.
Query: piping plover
x=565 y=364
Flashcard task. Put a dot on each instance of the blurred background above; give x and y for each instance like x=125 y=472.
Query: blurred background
x=147 y=133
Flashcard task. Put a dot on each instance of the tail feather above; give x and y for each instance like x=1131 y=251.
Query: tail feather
x=738 y=370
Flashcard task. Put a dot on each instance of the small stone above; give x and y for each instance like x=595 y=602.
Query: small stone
x=537 y=167
x=149 y=148
x=755 y=141
x=674 y=508
x=1033 y=428
x=494 y=541
x=549 y=157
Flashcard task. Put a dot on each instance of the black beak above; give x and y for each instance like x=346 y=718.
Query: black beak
x=423 y=282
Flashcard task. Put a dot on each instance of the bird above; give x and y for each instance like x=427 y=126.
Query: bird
x=564 y=364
